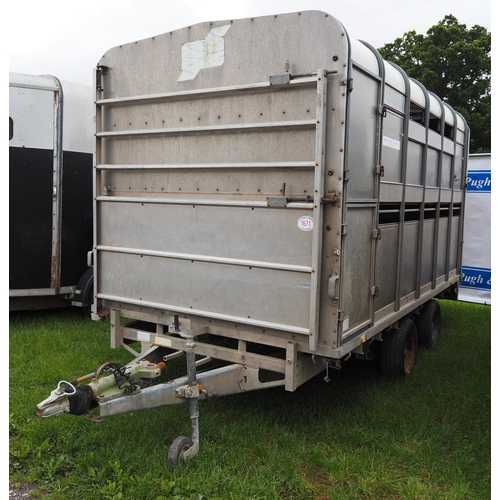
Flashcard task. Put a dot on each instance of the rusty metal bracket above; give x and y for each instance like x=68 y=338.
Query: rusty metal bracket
x=332 y=198
x=188 y=391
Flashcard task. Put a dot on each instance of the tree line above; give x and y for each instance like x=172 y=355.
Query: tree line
x=454 y=63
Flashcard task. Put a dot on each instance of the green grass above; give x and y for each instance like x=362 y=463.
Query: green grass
x=362 y=436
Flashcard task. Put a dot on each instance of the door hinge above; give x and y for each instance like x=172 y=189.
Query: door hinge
x=374 y=291
x=377 y=234
x=380 y=170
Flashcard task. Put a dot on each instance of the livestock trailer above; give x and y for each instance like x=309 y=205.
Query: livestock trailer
x=273 y=183
x=50 y=191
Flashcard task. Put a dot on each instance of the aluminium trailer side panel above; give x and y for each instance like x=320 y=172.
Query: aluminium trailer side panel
x=271 y=177
x=406 y=170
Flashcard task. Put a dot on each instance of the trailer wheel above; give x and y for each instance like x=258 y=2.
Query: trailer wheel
x=89 y=298
x=85 y=292
x=399 y=350
x=429 y=324
x=177 y=450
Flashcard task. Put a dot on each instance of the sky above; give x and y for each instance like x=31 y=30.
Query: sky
x=67 y=39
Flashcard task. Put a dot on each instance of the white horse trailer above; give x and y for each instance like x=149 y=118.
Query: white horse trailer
x=50 y=192
x=275 y=183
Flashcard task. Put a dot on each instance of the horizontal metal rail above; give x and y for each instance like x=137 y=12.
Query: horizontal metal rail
x=199 y=202
x=207 y=258
x=200 y=93
x=252 y=127
x=40 y=292
x=210 y=351
x=205 y=314
x=194 y=166
x=197 y=327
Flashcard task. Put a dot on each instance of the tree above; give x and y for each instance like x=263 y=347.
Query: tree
x=455 y=64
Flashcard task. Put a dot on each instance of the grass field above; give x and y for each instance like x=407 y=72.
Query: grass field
x=362 y=436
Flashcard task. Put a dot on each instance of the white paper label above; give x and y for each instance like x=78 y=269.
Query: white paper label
x=163 y=341
x=143 y=336
x=345 y=324
x=305 y=223
x=207 y=53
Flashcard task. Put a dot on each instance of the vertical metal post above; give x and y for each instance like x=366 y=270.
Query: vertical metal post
x=96 y=184
x=192 y=388
x=379 y=128
x=404 y=167
x=319 y=183
x=181 y=449
x=192 y=383
x=57 y=173
x=423 y=176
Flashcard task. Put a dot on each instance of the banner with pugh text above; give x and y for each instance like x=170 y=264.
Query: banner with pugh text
x=476 y=261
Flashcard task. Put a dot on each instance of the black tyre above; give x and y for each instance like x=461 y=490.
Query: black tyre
x=177 y=450
x=84 y=292
x=429 y=324
x=87 y=308
x=398 y=355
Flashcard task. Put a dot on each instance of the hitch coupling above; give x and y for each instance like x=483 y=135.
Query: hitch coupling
x=67 y=398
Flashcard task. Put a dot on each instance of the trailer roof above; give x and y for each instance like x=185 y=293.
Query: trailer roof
x=42 y=82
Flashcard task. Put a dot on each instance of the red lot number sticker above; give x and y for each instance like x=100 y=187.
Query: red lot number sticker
x=305 y=223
